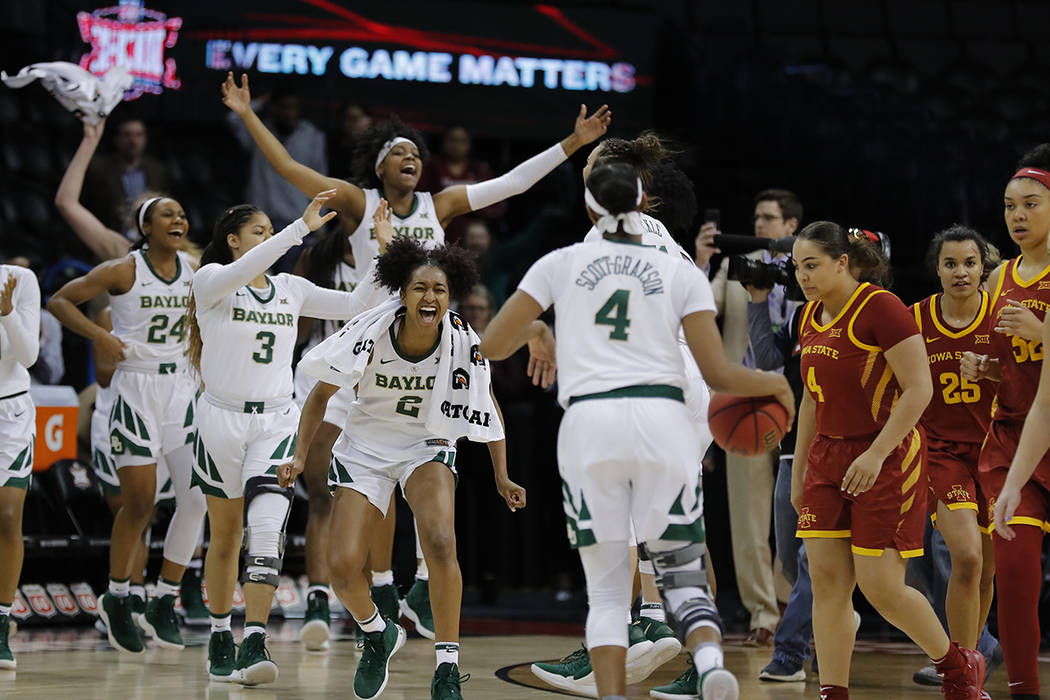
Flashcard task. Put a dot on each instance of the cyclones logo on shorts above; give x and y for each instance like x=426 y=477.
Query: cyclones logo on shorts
x=958 y=493
x=806 y=519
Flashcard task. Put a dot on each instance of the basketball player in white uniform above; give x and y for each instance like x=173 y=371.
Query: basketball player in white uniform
x=627 y=447
x=149 y=290
x=19 y=346
x=243 y=326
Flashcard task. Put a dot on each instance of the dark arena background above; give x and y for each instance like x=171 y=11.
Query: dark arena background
x=897 y=116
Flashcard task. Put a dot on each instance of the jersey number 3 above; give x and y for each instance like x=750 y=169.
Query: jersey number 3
x=265 y=354
x=614 y=313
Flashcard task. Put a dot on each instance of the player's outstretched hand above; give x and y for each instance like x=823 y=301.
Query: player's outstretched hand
x=237 y=97
x=589 y=129
x=384 y=229
x=7 y=296
x=286 y=473
x=312 y=215
x=513 y=494
x=543 y=364
x=1005 y=507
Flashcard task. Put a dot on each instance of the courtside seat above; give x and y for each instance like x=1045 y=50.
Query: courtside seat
x=75 y=489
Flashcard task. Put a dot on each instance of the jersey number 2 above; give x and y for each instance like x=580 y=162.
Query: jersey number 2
x=614 y=313
x=265 y=354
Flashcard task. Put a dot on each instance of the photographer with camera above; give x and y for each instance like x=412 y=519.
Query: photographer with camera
x=750 y=479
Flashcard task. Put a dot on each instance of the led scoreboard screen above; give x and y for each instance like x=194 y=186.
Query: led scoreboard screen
x=495 y=67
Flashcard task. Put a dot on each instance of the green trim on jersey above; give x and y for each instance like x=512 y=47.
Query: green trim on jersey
x=23 y=463
x=178 y=269
x=206 y=488
x=686 y=525
x=18 y=482
x=337 y=473
x=415 y=206
x=273 y=291
x=406 y=358
x=203 y=463
x=578 y=521
x=284 y=450
x=645 y=391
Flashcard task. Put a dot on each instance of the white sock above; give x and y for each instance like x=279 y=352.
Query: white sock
x=119 y=589
x=5 y=610
x=220 y=623
x=422 y=572
x=707 y=656
x=447 y=653
x=318 y=588
x=137 y=589
x=654 y=611
x=251 y=628
x=376 y=623
x=165 y=587
x=382 y=578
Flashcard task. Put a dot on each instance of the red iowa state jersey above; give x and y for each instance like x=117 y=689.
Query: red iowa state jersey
x=843 y=365
x=960 y=410
x=1021 y=360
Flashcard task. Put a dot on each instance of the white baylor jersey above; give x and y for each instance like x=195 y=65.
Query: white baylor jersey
x=421 y=224
x=249 y=337
x=151 y=316
x=654 y=233
x=387 y=418
x=618 y=311
x=26 y=300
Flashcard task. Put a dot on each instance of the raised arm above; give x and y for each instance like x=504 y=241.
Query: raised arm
x=103 y=241
x=21 y=318
x=514 y=326
x=460 y=199
x=215 y=282
x=349 y=200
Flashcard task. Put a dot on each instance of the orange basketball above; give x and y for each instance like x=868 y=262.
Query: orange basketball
x=747 y=426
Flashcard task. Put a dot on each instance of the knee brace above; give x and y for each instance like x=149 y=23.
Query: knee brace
x=645 y=566
x=266 y=509
x=681 y=577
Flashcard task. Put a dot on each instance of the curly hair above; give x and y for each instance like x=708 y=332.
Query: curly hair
x=405 y=255
x=368 y=145
x=1038 y=157
x=676 y=200
x=643 y=153
x=957 y=233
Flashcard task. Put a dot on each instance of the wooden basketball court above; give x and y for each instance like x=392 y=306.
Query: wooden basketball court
x=78 y=663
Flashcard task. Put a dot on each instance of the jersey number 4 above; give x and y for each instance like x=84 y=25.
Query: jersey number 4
x=614 y=313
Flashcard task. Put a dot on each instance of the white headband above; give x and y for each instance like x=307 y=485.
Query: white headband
x=142 y=212
x=388 y=146
x=607 y=223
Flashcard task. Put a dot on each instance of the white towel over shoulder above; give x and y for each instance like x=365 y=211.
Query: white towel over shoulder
x=462 y=405
x=84 y=94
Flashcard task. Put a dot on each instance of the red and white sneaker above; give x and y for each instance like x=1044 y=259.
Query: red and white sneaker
x=967 y=683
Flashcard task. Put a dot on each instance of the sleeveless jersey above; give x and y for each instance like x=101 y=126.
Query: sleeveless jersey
x=14 y=378
x=619 y=311
x=249 y=338
x=843 y=365
x=421 y=224
x=386 y=419
x=960 y=410
x=1021 y=360
x=654 y=233
x=151 y=316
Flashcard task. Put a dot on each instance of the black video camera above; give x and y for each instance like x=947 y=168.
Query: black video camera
x=763 y=275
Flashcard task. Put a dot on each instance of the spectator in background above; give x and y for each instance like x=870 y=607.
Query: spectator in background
x=50 y=365
x=351 y=121
x=454 y=166
x=305 y=143
x=750 y=479
x=115 y=180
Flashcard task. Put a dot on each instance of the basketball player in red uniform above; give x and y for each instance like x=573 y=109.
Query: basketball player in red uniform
x=1020 y=299
x=952 y=323
x=860 y=488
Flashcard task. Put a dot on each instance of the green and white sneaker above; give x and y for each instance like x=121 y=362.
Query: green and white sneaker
x=416 y=607
x=572 y=674
x=718 y=684
x=222 y=657
x=194 y=611
x=7 y=659
x=644 y=658
x=388 y=603
x=253 y=661
x=373 y=670
x=161 y=623
x=681 y=688
x=122 y=632
x=446 y=682
x=138 y=611
x=316 y=623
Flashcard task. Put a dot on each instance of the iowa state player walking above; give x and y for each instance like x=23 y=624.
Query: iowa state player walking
x=952 y=323
x=1021 y=296
x=860 y=489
